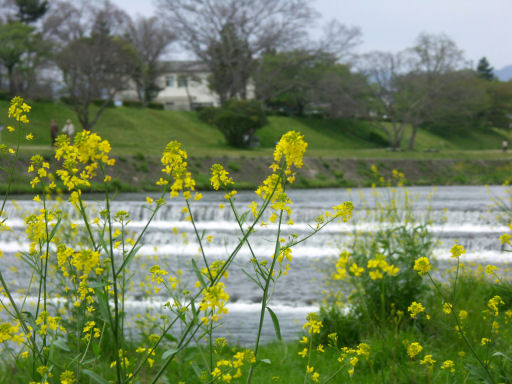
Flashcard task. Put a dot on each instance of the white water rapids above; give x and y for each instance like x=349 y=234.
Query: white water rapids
x=456 y=213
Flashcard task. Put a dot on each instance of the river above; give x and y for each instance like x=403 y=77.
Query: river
x=457 y=213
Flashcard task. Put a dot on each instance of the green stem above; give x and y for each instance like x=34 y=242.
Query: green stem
x=115 y=329
x=265 y=294
x=461 y=332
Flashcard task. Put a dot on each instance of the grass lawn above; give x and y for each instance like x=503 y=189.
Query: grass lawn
x=146 y=131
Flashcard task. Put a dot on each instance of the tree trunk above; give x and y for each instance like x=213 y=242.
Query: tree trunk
x=12 y=86
x=413 y=137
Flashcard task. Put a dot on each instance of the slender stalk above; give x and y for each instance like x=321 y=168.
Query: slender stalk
x=11 y=171
x=115 y=330
x=198 y=238
x=461 y=332
x=265 y=294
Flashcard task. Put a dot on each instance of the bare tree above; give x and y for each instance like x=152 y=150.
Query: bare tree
x=150 y=40
x=430 y=60
x=67 y=21
x=390 y=108
x=95 y=69
x=339 y=40
x=229 y=34
x=95 y=60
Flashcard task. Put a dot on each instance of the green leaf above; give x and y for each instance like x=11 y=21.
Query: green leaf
x=128 y=258
x=170 y=337
x=243 y=217
x=198 y=273
x=103 y=304
x=252 y=278
x=275 y=320
x=169 y=352
x=55 y=228
x=61 y=344
x=95 y=377
x=31 y=320
x=502 y=355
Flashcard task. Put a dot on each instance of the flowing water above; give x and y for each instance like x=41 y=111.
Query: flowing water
x=456 y=213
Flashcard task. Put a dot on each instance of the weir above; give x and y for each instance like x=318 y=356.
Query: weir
x=454 y=213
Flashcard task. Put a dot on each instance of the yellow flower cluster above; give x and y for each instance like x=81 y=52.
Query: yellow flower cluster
x=18 y=110
x=362 y=350
x=9 y=332
x=315 y=376
x=457 y=250
x=227 y=370
x=175 y=167
x=289 y=152
x=90 y=329
x=292 y=147
x=341 y=266
x=40 y=167
x=84 y=262
x=82 y=158
x=422 y=265
x=428 y=361
x=313 y=324
x=378 y=265
x=36 y=228
x=413 y=349
x=220 y=177
x=494 y=304
x=67 y=377
x=415 y=308
x=214 y=303
x=448 y=364
x=344 y=211
x=47 y=322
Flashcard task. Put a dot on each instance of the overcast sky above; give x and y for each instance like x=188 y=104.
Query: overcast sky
x=479 y=27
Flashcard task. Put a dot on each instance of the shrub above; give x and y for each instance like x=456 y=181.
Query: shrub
x=207 y=114
x=378 y=266
x=154 y=105
x=238 y=120
x=132 y=104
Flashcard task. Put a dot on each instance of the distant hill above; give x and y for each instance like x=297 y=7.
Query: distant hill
x=504 y=74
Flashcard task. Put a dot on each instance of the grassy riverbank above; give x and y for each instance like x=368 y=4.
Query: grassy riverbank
x=134 y=130
x=340 y=152
x=388 y=359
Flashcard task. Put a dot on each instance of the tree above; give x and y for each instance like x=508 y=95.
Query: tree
x=95 y=68
x=289 y=79
x=342 y=92
x=484 y=69
x=25 y=11
x=387 y=106
x=150 y=40
x=231 y=65
x=97 y=63
x=430 y=60
x=17 y=40
x=29 y=11
x=499 y=112
x=227 y=35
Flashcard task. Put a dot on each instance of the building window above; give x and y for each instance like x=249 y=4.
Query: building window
x=182 y=81
x=169 y=81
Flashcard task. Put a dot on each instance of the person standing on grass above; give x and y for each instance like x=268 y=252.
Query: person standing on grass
x=68 y=128
x=504 y=145
x=54 y=131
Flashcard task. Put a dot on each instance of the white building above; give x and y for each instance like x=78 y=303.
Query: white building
x=184 y=87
